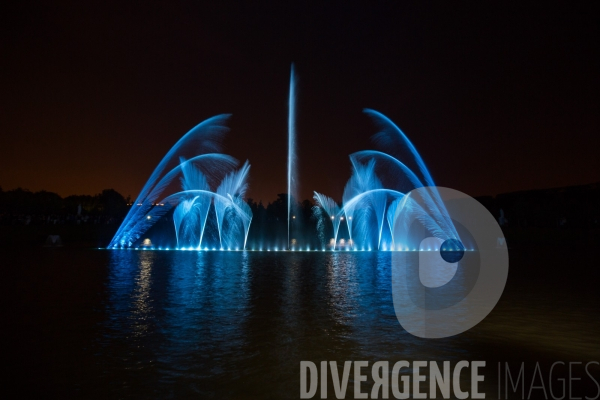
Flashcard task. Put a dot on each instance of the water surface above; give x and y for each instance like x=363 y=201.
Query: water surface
x=157 y=324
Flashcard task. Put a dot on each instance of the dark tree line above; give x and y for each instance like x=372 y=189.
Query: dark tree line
x=570 y=207
x=567 y=207
x=269 y=226
x=21 y=206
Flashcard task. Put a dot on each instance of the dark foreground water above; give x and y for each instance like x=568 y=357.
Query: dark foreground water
x=144 y=324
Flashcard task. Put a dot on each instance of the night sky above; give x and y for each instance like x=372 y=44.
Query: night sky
x=496 y=98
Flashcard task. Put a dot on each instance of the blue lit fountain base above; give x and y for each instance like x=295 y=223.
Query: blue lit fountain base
x=275 y=249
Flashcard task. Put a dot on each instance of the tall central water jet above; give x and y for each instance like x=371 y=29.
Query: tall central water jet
x=291 y=148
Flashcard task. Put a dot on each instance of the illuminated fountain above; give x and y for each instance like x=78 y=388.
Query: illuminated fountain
x=201 y=191
x=376 y=197
x=208 y=186
x=292 y=170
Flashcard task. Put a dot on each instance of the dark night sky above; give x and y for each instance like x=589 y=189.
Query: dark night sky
x=496 y=98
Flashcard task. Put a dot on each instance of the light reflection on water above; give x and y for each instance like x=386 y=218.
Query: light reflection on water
x=237 y=324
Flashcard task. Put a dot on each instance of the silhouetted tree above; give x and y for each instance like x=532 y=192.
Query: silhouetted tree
x=112 y=203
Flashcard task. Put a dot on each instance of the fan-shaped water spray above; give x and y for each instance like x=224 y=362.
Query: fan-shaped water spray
x=376 y=197
x=191 y=201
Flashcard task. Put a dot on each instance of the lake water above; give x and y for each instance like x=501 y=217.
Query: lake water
x=188 y=324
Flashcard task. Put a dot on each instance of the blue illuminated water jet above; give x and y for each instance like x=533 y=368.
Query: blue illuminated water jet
x=375 y=198
x=202 y=192
x=291 y=176
x=208 y=185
